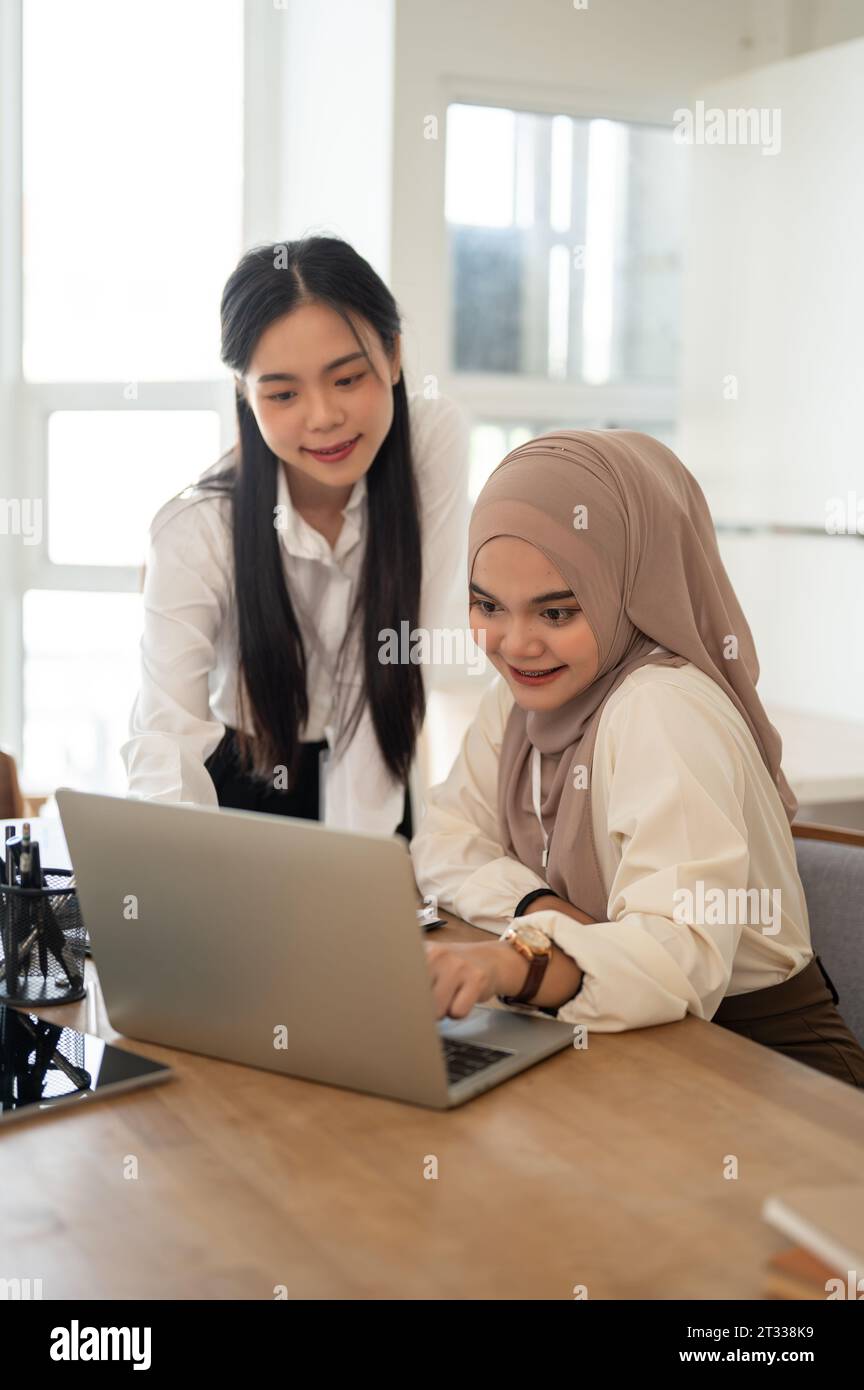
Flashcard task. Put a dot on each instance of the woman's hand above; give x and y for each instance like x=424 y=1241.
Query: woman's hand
x=464 y=974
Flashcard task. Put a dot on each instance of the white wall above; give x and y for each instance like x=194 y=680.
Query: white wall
x=817 y=23
x=336 y=123
x=774 y=297
x=640 y=60
x=10 y=350
x=359 y=80
x=630 y=58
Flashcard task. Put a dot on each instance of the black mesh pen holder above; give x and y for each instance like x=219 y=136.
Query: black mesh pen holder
x=42 y=942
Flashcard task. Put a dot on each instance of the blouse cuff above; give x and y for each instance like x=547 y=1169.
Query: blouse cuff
x=531 y=897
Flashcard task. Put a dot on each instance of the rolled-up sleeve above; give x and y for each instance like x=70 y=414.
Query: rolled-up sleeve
x=673 y=784
x=456 y=852
x=171 y=727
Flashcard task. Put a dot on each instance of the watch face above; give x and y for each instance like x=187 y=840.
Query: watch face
x=535 y=938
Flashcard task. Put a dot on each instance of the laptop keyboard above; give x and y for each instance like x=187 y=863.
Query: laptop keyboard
x=466 y=1059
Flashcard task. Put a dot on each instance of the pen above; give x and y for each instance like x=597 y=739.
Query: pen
x=10 y=831
x=25 y=871
x=11 y=934
x=23 y=952
x=60 y=948
x=9 y=950
x=41 y=904
x=10 y=855
x=25 y=860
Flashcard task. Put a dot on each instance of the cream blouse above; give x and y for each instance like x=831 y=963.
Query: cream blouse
x=681 y=800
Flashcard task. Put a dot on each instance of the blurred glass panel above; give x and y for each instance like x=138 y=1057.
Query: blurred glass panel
x=489 y=444
x=559 y=317
x=80 y=679
x=491 y=441
x=561 y=187
x=480 y=170
x=607 y=146
x=132 y=150
x=664 y=430
x=565 y=245
x=109 y=471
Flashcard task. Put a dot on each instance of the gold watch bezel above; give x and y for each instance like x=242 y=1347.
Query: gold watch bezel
x=516 y=936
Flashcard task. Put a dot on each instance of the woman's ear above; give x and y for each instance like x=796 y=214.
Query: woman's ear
x=396 y=359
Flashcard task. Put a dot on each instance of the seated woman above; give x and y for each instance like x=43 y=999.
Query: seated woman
x=619 y=792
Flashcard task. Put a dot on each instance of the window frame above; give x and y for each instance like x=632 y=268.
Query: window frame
x=27 y=406
x=482 y=393
x=504 y=397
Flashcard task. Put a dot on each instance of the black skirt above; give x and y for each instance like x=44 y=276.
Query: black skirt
x=237 y=789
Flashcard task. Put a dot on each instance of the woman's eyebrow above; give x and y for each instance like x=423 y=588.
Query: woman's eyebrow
x=541 y=598
x=291 y=376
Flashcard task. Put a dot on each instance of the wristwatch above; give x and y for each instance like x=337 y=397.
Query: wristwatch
x=536 y=947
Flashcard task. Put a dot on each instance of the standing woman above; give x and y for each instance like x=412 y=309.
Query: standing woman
x=620 y=786
x=340 y=512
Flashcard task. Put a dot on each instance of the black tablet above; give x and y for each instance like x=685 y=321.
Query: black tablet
x=44 y=1065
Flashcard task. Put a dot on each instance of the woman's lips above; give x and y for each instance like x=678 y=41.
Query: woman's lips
x=334 y=455
x=539 y=679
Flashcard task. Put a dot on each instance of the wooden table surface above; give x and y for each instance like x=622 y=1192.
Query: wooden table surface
x=601 y=1167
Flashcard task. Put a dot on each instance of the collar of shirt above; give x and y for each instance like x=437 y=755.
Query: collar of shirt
x=301 y=539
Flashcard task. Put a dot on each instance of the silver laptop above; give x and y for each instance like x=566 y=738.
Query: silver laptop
x=282 y=944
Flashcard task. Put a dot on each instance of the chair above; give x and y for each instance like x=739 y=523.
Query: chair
x=831 y=865
x=11 y=800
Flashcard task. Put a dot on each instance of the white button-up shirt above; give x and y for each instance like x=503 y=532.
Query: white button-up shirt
x=188 y=689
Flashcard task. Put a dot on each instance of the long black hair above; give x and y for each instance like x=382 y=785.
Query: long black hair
x=268 y=282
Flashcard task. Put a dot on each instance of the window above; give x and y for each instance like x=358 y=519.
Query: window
x=132 y=180
x=80 y=678
x=133 y=204
x=564 y=238
x=109 y=471
x=565 y=246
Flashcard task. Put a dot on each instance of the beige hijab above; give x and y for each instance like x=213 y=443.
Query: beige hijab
x=643 y=563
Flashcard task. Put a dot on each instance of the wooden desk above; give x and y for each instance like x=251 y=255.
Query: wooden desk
x=601 y=1167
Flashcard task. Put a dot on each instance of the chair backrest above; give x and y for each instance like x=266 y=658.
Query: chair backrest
x=11 y=800
x=831 y=865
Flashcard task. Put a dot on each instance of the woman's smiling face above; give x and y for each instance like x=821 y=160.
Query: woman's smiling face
x=531 y=621
x=325 y=392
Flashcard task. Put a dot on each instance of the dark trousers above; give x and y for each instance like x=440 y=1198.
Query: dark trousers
x=237 y=789
x=799 y=1018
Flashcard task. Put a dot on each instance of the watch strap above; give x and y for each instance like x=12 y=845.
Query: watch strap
x=536 y=971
